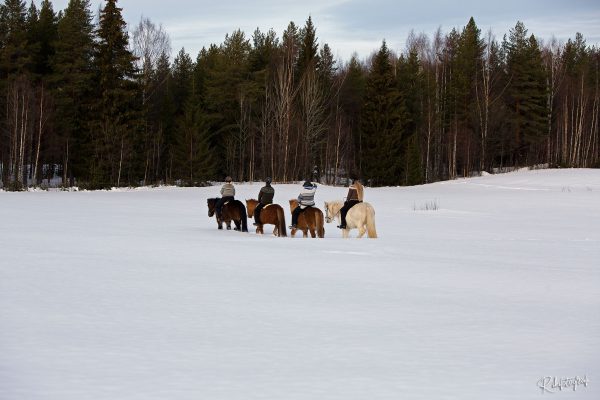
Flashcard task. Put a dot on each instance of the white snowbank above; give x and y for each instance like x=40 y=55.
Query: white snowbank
x=133 y=294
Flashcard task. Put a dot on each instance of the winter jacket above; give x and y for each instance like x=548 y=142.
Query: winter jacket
x=266 y=194
x=307 y=196
x=228 y=190
x=355 y=192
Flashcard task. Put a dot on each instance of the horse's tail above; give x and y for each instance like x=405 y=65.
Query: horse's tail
x=320 y=224
x=371 y=231
x=244 y=216
x=281 y=229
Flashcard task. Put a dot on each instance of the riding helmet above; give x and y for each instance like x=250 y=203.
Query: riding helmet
x=228 y=179
x=268 y=181
x=307 y=184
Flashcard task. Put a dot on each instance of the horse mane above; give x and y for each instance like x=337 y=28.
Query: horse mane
x=359 y=190
x=337 y=204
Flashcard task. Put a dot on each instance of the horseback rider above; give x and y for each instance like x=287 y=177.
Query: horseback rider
x=355 y=196
x=227 y=194
x=305 y=199
x=265 y=197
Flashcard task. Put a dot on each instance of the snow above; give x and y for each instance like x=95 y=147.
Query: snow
x=134 y=294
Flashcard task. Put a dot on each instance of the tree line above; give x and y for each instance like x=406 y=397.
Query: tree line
x=84 y=99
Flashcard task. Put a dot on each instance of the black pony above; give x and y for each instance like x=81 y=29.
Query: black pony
x=232 y=211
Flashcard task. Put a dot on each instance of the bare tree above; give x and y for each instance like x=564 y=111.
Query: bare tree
x=284 y=94
x=149 y=42
x=313 y=106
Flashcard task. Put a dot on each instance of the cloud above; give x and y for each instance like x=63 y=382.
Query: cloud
x=359 y=25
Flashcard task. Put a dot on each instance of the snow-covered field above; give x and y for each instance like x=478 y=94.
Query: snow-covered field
x=134 y=294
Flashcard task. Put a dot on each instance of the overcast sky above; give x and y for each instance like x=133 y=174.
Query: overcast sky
x=359 y=26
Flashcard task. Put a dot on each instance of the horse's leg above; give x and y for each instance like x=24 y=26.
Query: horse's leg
x=361 y=231
x=219 y=224
x=345 y=233
x=312 y=233
x=275 y=231
x=293 y=232
x=237 y=224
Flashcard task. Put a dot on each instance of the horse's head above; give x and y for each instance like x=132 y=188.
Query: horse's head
x=211 y=203
x=251 y=205
x=332 y=208
x=293 y=204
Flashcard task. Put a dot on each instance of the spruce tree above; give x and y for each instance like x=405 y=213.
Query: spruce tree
x=183 y=68
x=72 y=87
x=351 y=100
x=526 y=92
x=383 y=123
x=116 y=124
x=308 y=52
x=14 y=56
x=47 y=33
x=163 y=112
x=410 y=84
x=194 y=158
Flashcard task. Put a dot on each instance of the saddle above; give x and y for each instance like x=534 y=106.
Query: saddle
x=258 y=211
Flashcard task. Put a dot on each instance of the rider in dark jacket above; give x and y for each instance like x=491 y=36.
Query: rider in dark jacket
x=265 y=197
x=355 y=196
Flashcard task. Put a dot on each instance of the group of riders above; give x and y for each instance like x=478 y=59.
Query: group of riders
x=306 y=199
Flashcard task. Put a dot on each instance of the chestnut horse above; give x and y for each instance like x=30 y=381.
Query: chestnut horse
x=310 y=219
x=270 y=214
x=232 y=211
x=361 y=216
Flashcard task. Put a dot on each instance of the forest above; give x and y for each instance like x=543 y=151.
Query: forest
x=86 y=98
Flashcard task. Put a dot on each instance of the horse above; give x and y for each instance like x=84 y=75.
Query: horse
x=232 y=211
x=270 y=214
x=310 y=219
x=361 y=216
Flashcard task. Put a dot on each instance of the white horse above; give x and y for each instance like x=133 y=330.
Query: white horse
x=361 y=216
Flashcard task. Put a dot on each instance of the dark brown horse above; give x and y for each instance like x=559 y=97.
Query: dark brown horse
x=232 y=211
x=310 y=219
x=271 y=214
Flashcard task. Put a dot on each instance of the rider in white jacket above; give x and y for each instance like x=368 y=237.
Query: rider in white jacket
x=305 y=199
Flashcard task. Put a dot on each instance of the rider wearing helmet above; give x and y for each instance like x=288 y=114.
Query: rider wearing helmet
x=265 y=197
x=227 y=194
x=305 y=199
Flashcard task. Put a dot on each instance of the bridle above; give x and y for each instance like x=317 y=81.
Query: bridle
x=329 y=218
